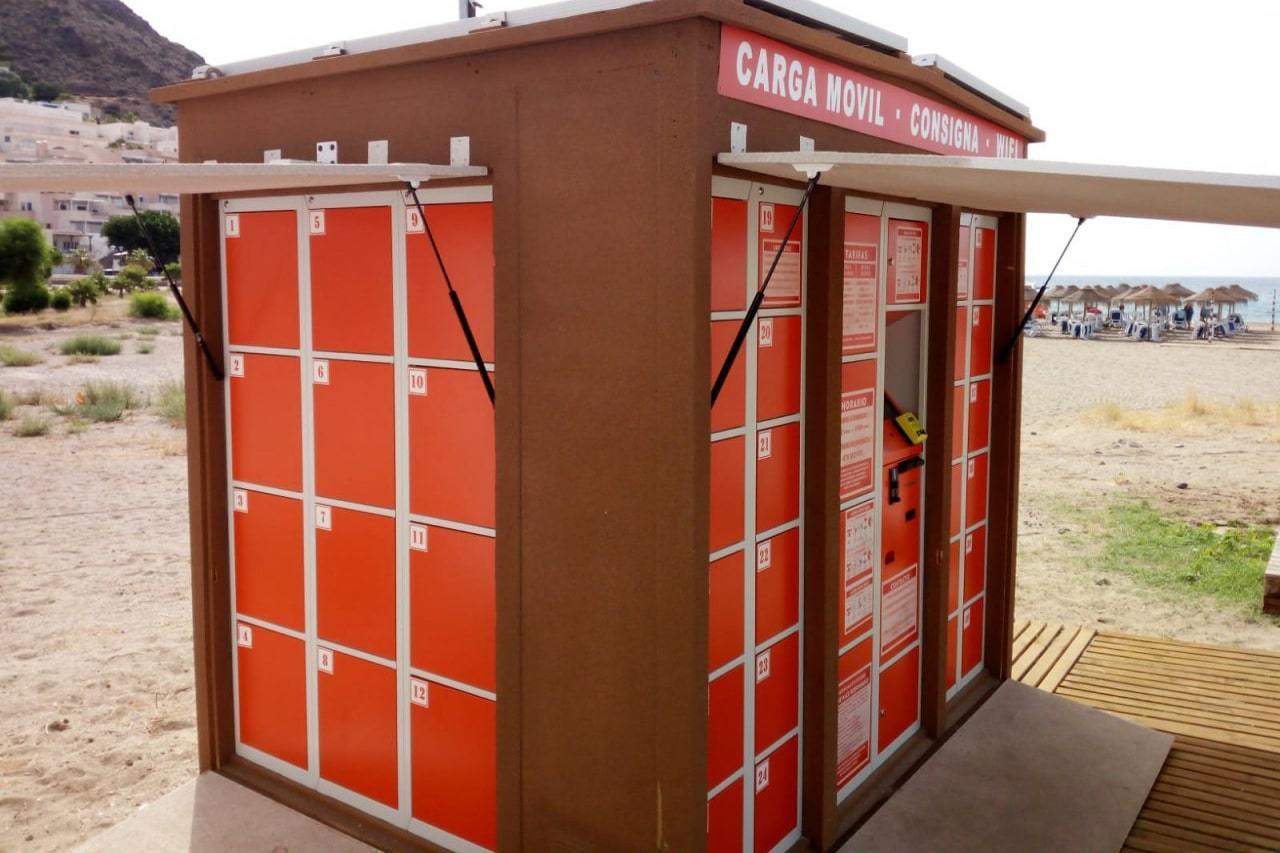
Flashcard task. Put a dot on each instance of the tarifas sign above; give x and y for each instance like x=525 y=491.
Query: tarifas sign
x=766 y=72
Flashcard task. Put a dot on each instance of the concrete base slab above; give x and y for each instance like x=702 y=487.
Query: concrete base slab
x=212 y=814
x=1028 y=771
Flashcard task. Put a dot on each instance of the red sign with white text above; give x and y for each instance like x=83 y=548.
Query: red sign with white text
x=766 y=72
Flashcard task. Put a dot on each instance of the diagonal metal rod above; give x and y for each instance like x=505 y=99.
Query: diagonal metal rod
x=453 y=297
x=214 y=367
x=758 y=299
x=1031 y=309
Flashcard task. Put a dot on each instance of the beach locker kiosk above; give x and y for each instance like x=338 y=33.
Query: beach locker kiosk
x=596 y=609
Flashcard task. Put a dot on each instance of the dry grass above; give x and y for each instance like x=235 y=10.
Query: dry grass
x=107 y=311
x=1192 y=415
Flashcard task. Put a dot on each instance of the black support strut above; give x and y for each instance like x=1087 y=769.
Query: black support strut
x=1031 y=309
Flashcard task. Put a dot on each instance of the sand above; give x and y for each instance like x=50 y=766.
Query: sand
x=97 y=714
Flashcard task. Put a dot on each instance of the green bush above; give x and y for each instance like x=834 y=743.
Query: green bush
x=145 y=348
x=82 y=291
x=14 y=357
x=6 y=406
x=31 y=426
x=174 y=270
x=151 y=306
x=60 y=300
x=90 y=345
x=103 y=402
x=131 y=277
x=26 y=300
x=171 y=403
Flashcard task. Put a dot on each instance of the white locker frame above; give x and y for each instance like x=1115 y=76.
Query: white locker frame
x=753 y=193
x=972 y=221
x=395 y=202
x=885 y=211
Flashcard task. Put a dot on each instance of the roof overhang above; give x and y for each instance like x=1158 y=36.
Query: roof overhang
x=217 y=178
x=1035 y=186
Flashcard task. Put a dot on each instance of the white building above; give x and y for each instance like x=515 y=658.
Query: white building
x=67 y=132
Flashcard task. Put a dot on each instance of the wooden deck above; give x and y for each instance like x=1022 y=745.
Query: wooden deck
x=1220 y=786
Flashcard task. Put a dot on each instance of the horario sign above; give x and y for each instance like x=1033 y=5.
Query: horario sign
x=766 y=72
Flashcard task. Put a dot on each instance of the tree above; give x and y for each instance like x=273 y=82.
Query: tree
x=13 y=86
x=83 y=262
x=122 y=232
x=42 y=90
x=25 y=261
x=131 y=277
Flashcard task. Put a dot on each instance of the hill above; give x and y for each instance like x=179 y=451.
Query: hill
x=96 y=50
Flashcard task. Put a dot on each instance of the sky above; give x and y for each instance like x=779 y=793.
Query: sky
x=1126 y=82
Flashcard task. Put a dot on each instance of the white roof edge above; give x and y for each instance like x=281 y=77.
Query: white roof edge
x=972 y=83
x=434 y=32
x=217 y=177
x=847 y=24
x=1036 y=186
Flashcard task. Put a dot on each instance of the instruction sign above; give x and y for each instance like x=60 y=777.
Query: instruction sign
x=857 y=440
x=860 y=291
x=906 y=280
x=784 y=286
x=853 y=725
x=898 y=607
x=859 y=560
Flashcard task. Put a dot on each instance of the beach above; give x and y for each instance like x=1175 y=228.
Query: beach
x=95 y=611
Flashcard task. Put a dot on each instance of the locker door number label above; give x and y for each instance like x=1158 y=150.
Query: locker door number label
x=973 y=393
x=240 y=500
x=418 y=381
x=412 y=221
x=971 y=469
x=762 y=665
x=324 y=517
x=316 y=222
x=764 y=444
x=235 y=366
x=764 y=555
x=231 y=225
x=762 y=775
x=968 y=544
x=968 y=617
x=324 y=660
x=244 y=635
x=766 y=332
x=418 y=692
x=977 y=317
x=320 y=371
x=418 y=537
x=766 y=217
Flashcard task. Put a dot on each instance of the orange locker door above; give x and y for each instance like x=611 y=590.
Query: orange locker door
x=271 y=676
x=724 y=629
x=957 y=487
x=979 y=414
x=452 y=461
x=963 y=272
x=729 y=412
x=776 y=778
x=950 y=659
x=899 y=698
x=777 y=584
x=957 y=421
x=351 y=302
x=262 y=278
x=777 y=476
x=464 y=236
x=962 y=341
x=980 y=357
x=728 y=254
x=724 y=726
x=357 y=711
x=454 y=754
x=971 y=656
x=778 y=367
x=953 y=578
x=975 y=561
x=727 y=478
x=976 y=490
x=724 y=820
x=908 y=261
x=451 y=599
x=354 y=405
x=777 y=673
x=356 y=580
x=266 y=420
x=268 y=558
x=984 y=263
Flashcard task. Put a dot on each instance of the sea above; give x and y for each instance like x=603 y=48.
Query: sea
x=1255 y=313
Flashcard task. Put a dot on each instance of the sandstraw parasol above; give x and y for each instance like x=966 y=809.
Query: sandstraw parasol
x=1149 y=295
x=1086 y=296
x=1176 y=290
x=1210 y=295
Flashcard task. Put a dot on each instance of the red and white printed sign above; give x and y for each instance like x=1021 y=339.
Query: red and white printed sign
x=857 y=440
x=853 y=725
x=860 y=296
x=859 y=560
x=907 y=241
x=784 y=287
x=898 y=606
x=766 y=72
